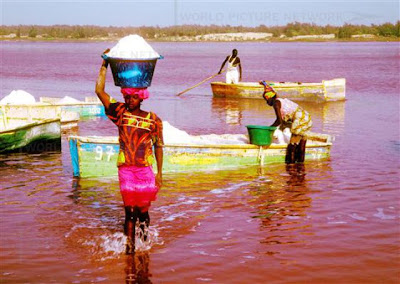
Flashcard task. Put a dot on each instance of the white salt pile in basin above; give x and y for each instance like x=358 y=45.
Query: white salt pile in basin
x=133 y=47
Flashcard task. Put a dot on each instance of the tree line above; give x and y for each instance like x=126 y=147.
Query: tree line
x=289 y=30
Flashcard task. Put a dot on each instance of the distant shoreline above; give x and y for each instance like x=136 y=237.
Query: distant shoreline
x=291 y=32
x=375 y=39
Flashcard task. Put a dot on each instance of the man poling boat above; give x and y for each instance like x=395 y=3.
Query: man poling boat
x=233 y=75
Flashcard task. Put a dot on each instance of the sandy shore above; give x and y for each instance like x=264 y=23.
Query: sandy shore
x=218 y=37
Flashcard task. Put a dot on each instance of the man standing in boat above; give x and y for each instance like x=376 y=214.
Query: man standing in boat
x=233 y=76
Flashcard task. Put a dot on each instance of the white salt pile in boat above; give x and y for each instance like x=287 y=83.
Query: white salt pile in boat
x=68 y=100
x=215 y=139
x=173 y=135
x=18 y=97
x=133 y=47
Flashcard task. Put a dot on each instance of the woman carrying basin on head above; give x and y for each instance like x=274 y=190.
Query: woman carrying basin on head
x=290 y=114
x=139 y=131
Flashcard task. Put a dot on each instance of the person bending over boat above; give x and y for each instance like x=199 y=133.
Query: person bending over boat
x=139 y=131
x=290 y=114
x=233 y=76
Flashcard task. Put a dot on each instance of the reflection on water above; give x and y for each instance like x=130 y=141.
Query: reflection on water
x=333 y=118
x=328 y=117
x=233 y=111
x=281 y=206
x=201 y=216
x=297 y=173
x=137 y=268
x=233 y=116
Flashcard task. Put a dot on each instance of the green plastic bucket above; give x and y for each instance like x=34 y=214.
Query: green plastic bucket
x=260 y=135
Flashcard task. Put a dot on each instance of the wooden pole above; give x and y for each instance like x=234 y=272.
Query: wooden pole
x=198 y=84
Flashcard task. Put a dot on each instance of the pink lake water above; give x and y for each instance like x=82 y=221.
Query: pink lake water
x=333 y=221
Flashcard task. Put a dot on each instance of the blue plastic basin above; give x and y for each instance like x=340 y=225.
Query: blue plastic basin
x=132 y=73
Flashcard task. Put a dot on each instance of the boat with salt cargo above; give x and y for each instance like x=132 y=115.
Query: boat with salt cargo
x=327 y=90
x=30 y=135
x=90 y=107
x=96 y=156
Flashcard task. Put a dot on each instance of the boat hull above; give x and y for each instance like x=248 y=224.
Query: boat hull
x=97 y=156
x=329 y=90
x=39 y=112
x=36 y=137
x=88 y=108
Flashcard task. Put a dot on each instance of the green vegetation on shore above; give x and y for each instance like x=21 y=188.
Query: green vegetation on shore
x=296 y=31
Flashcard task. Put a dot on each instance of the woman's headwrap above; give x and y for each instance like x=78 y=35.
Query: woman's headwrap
x=269 y=92
x=142 y=93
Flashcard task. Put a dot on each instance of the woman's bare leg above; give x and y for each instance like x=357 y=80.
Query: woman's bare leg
x=131 y=215
x=290 y=153
x=144 y=219
x=301 y=151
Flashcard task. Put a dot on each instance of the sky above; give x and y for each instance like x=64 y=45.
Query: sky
x=179 y=12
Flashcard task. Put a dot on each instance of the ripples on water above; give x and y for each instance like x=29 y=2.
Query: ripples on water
x=329 y=221
x=249 y=216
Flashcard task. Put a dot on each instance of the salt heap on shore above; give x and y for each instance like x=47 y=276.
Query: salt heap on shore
x=133 y=47
x=68 y=100
x=18 y=97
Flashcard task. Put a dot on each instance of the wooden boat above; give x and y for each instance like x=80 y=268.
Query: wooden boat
x=88 y=108
x=96 y=156
x=38 y=111
x=329 y=90
x=30 y=136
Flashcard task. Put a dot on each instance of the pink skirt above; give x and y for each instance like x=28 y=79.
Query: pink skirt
x=137 y=186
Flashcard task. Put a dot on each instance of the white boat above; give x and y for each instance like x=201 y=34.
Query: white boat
x=39 y=111
x=327 y=90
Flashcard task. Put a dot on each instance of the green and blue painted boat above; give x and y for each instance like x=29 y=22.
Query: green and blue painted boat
x=327 y=90
x=30 y=136
x=96 y=156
